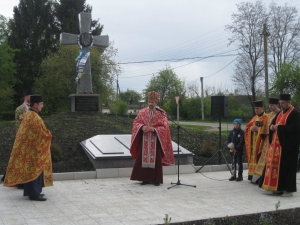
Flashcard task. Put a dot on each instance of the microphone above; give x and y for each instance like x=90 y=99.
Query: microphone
x=158 y=109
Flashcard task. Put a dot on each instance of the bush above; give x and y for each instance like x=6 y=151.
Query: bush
x=120 y=109
x=207 y=149
x=56 y=153
x=7 y=115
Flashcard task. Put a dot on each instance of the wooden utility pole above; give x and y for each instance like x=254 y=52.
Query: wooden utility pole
x=202 y=97
x=266 y=34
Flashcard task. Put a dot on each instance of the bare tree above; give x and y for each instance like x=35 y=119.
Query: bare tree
x=3 y=28
x=192 y=89
x=246 y=28
x=284 y=39
x=246 y=80
x=215 y=90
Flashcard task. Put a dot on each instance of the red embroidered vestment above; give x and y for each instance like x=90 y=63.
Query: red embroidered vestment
x=162 y=133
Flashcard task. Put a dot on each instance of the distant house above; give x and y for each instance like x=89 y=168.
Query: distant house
x=134 y=108
x=105 y=109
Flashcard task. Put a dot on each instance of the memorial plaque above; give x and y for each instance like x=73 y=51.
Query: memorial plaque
x=124 y=140
x=105 y=146
x=86 y=103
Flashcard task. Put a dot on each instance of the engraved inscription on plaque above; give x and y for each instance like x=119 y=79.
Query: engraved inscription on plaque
x=88 y=103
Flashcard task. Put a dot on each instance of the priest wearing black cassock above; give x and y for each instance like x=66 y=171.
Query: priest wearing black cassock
x=281 y=168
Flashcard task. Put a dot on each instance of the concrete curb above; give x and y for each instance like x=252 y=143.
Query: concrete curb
x=126 y=172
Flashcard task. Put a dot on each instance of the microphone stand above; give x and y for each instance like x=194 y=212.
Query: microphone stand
x=178 y=126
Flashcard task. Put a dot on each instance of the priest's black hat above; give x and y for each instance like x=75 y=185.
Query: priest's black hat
x=35 y=99
x=273 y=100
x=258 y=103
x=28 y=92
x=285 y=97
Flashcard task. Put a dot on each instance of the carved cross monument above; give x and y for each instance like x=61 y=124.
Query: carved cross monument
x=84 y=91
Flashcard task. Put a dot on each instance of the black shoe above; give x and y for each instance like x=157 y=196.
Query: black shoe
x=42 y=195
x=233 y=177
x=239 y=178
x=277 y=192
x=145 y=182
x=39 y=198
x=156 y=184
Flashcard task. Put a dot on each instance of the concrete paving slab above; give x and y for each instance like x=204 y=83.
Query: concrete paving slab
x=121 y=201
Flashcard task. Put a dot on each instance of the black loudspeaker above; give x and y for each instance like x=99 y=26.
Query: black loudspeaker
x=219 y=106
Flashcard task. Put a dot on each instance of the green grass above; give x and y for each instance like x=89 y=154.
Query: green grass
x=223 y=133
x=193 y=127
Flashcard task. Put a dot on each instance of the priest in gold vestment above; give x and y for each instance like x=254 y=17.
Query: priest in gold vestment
x=30 y=160
x=274 y=110
x=256 y=134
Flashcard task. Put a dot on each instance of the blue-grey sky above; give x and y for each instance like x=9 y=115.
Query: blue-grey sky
x=153 y=30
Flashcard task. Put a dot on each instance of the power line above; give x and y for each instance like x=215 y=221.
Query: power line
x=220 y=69
x=203 y=44
x=202 y=58
x=133 y=71
x=177 y=60
x=177 y=44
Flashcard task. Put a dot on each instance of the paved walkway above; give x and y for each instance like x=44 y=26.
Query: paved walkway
x=116 y=201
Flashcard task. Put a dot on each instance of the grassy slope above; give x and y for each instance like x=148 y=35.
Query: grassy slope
x=69 y=129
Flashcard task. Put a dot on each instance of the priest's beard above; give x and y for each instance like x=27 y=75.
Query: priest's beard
x=151 y=107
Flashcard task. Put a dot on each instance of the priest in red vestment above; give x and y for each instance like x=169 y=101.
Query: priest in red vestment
x=151 y=144
x=280 y=172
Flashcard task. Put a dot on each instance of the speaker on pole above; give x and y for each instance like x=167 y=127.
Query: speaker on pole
x=219 y=106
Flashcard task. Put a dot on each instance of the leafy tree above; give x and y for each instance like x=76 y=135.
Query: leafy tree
x=167 y=84
x=104 y=72
x=7 y=66
x=192 y=108
x=59 y=72
x=287 y=80
x=130 y=96
x=246 y=26
x=236 y=107
x=33 y=32
x=66 y=12
x=207 y=106
x=8 y=70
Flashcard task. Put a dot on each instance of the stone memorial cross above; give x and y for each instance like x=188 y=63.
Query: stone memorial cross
x=85 y=40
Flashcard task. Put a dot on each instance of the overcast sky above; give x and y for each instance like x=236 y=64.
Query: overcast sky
x=153 y=30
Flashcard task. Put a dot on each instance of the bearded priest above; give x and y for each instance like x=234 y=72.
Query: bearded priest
x=151 y=144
